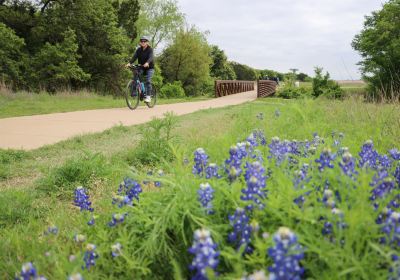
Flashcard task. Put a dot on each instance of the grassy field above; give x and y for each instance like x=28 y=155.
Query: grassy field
x=37 y=191
x=27 y=104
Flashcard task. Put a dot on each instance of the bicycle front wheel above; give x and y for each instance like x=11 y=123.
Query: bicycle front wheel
x=153 y=96
x=131 y=95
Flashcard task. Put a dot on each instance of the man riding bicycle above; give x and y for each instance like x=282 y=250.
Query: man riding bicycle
x=144 y=55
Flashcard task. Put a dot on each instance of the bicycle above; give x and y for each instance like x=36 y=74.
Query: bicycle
x=136 y=89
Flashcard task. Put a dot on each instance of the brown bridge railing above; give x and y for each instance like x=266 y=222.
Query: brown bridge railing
x=266 y=88
x=227 y=87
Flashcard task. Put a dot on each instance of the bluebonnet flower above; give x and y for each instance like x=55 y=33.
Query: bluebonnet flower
x=76 y=276
x=317 y=140
x=116 y=250
x=28 y=272
x=278 y=150
x=79 y=238
x=91 y=222
x=395 y=154
x=328 y=228
x=394 y=270
x=255 y=184
x=82 y=199
x=325 y=159
x=348 y=165
x=212 y=171
x=396 y=175
x=258 y=275
x=257 y=138
x=130 y=188
x=328 y=199
x=200 y=161
x=286 y=254
x=241 y=230
x=368 y=156
x=90 y=256
x=382 y=185
x=384 y=215
x=205 y=254
x=342 y=151
x=391 y=229
x=121 y=200
x=300 y=178
x=233 y=163
x=205 y=196
x=384 y=161
x=117 y=219
x=51 y=230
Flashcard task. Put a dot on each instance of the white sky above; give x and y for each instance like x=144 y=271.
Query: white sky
x=285 y=34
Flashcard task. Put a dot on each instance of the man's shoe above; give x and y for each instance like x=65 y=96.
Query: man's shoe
x=147 y=99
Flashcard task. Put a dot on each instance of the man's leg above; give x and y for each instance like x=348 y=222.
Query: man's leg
x=149 y=75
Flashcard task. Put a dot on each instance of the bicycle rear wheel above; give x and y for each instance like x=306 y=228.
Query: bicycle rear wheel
x=153 y=96
x=131 y=95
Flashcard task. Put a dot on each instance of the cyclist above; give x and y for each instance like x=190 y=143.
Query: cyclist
x=144 y=55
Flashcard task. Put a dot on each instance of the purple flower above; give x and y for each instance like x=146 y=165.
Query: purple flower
x=212 y=171
x=116 y=250
x=325 y=159
x=328 y=199
x=90 y=256
x=241 y=230
x=255 y=184
x=117 y=219
x=121 y=200
x=82 y=199
x=205 y=196
x=205 y=254
x=257 y=138
x=286 y=254
x=51 y=230
x=233 y=163
x=131 y=189
x=348 y=165
x=395 y=154
x=200 y=161
x=396 y=175
x=391 y=229
x=368 y=156
x=28 y=272
x=394 y=270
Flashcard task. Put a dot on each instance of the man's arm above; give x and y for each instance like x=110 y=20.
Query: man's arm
x=135 y=56
x=151 y=57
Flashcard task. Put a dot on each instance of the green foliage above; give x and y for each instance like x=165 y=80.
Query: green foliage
x=323 y=86
x=154 y=147
x=379 y=45
x=187 y=60
x=289 y=91
x=79 y=171
x=157 y=79
x=8 y=157
x=220 y=68
x=56 y=66
x=12 y=57
x=302 y=77
x=243 y=72
x=160 y=20
x=172 y=90
x=128 y=14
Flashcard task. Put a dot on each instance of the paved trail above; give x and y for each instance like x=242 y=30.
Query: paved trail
x=32 y=132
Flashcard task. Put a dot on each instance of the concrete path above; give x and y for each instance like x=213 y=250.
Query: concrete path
x=32 y=132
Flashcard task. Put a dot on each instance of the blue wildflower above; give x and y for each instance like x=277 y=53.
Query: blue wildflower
x=382 y=187
x=82 y=199
x=117 y=219
x=395 y=154
x=233 y=163
x=257 y=138
x=122 y=200
x=241 y=230
x=131 y=189
x=396 y=175
x=205 y=196
x=91 y=222
x=205 y=254
x=200 y=161
x=348 y=165
x=212 y=171
x=368 y=156
x=255 y=184
x=28 y=272
x=391 y=229
x=116 y=250
x=394 y=270
x=328 y=199
x=51 y=230
x=286 y=254
x=325 y=159
x=90 y=256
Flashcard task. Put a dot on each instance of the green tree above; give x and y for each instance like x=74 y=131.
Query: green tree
x=302 y=77
x=187 y=60
x=128 y=14
x=56 y=66
x=220 y=68
x=322 y=85
x=243 y=72
x=12 y=57
x=160 y=20
x=379 y=46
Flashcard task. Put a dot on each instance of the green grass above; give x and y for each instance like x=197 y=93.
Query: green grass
x=36 y=193
x=27 y=104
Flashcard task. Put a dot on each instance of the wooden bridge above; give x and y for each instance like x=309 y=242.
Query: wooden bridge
x=265 y=88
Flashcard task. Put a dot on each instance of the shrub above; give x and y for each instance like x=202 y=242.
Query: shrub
x=172 y=90
x=323 y=86
x=291 y=92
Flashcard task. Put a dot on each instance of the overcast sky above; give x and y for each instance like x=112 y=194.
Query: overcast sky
x=284 y=34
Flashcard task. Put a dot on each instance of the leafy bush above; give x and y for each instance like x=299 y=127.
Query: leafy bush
x=154 y=146
x=323 y=86
x=292 y=92
x=80 y=171
x=174 y=90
